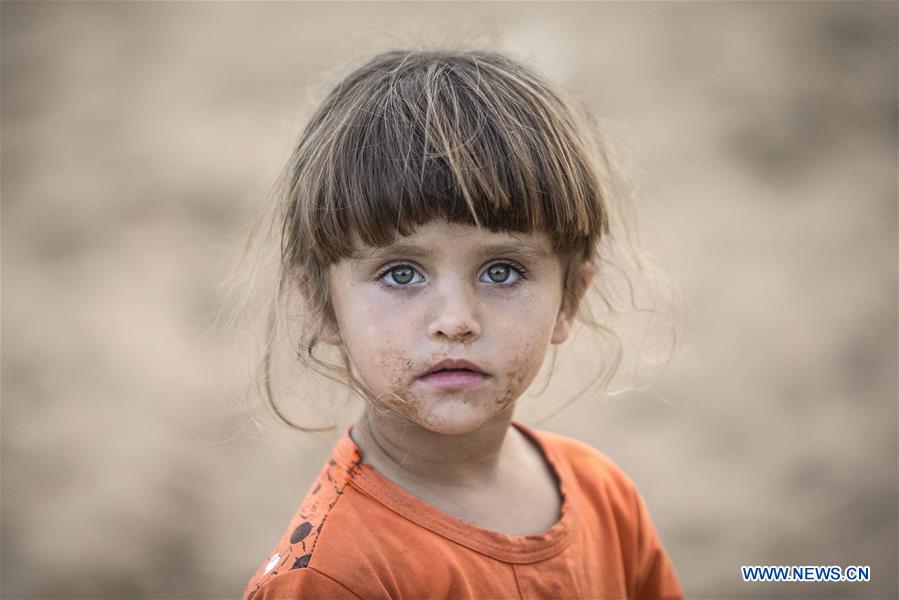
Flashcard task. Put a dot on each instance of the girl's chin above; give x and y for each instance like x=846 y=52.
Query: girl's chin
x=455 y=416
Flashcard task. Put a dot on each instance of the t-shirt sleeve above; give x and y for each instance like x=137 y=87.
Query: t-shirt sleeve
x=656 y=578
x=302 y=584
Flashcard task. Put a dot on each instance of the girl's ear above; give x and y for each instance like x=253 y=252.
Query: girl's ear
x=568 y=310
x=329 y=332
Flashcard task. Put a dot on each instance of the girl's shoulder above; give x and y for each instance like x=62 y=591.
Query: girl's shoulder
x=608 y=500
x=294 y=551
x=584 y=464
x=598 y=489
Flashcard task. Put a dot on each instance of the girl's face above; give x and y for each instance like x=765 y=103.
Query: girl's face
x=449 y=292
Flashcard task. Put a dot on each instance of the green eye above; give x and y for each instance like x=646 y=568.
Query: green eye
x=400 y=275
x=499 y=273
x=502 y=273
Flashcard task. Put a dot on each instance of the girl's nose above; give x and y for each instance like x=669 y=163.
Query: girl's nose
x=455 y=318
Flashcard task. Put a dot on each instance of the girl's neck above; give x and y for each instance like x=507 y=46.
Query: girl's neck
x=408 y=453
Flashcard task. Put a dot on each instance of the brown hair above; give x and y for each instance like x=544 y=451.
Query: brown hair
x=412 y=136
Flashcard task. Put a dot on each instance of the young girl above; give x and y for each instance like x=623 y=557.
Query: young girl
x=442 y=221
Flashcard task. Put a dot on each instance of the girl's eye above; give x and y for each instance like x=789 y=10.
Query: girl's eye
x=500 y=273
x=503 y=274
x=400 y=275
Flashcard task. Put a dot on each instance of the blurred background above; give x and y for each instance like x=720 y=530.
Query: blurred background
x=140 y=141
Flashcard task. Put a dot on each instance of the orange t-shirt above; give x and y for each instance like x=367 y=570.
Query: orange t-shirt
x=359 y=535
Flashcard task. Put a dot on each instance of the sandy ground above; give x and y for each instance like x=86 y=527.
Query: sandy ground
x=139 y=141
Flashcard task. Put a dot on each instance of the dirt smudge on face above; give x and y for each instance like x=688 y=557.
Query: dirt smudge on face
x=518 y=371
x=398 y=369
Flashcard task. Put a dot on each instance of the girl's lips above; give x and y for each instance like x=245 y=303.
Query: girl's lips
x=453 y=380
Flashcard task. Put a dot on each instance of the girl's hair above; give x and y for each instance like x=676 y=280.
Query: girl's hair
x=412 y=136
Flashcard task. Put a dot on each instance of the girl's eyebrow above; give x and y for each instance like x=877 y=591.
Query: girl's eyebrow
x=523 y=248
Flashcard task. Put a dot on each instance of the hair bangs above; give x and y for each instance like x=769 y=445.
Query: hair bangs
x=467 y=138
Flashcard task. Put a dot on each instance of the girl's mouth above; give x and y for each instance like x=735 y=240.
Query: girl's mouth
x=453 y=379
x=454 y=364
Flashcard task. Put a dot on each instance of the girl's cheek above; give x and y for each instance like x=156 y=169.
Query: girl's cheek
x=532 y=320
x=533 y=340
